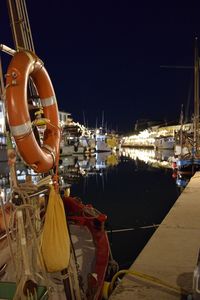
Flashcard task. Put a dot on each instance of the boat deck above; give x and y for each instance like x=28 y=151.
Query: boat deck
x=171 y=254
x=85 y=250
x=85 y=253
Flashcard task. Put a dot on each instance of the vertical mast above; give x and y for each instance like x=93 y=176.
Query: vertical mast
x=181 y=130
x=102 y=122
x=196 y=97
x=20 y=25
x=21 y=31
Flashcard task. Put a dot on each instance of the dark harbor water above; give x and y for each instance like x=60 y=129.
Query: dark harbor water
x=133 y=194
x=134 y=188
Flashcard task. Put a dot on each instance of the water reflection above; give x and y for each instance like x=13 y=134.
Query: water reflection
x=129 y=199
x=129 y=189
x=72 y=168
x=157 y=159
x=182 y=180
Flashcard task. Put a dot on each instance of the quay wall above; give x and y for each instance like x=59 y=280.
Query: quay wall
x=170 y=255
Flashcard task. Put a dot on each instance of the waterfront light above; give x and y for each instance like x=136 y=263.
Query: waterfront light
x=144 y=138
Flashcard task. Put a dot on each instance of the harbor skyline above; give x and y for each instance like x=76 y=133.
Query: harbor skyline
x=86 y=212
x=107 y=58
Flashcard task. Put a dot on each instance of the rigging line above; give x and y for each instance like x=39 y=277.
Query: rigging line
x=24 y=27
x=12 y=24
x=27 y=28
x=20 y=21
x=133 y=228
x=26 y=36
x=7 y=231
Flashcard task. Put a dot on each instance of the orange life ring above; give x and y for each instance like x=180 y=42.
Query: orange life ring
x=23 y=65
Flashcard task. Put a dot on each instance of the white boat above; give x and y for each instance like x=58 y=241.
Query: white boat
x=188 y=143
x=52 y=246
x=164 y=142
x=181 y=150
x=101 y=143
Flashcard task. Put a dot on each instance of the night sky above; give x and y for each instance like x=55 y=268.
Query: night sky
x=106 y=56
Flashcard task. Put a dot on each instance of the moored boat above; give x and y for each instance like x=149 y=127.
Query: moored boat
x=164 y=142
x=90 y=255
x=187 y=148
x=86 y=221
x=52 y=246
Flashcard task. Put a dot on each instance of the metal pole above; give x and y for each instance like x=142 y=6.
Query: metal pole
x=7 y=49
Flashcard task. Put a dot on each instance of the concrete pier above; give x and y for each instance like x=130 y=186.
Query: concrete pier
x=170 y=255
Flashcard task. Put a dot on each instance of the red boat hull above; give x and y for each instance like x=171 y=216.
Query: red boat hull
x=86 y=215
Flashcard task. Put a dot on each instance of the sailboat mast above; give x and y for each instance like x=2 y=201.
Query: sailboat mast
x=21 y=31
x=102 y=124
x=20 y=25
x=196 y=96
x=181 y=130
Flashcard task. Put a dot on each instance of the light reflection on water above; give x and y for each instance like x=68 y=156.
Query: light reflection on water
x=133 y=187
x=136 y=192
x=160 y=159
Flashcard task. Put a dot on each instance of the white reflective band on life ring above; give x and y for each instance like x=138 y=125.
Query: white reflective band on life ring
x=21 y=129
x=48 y=101
x=23 y=66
